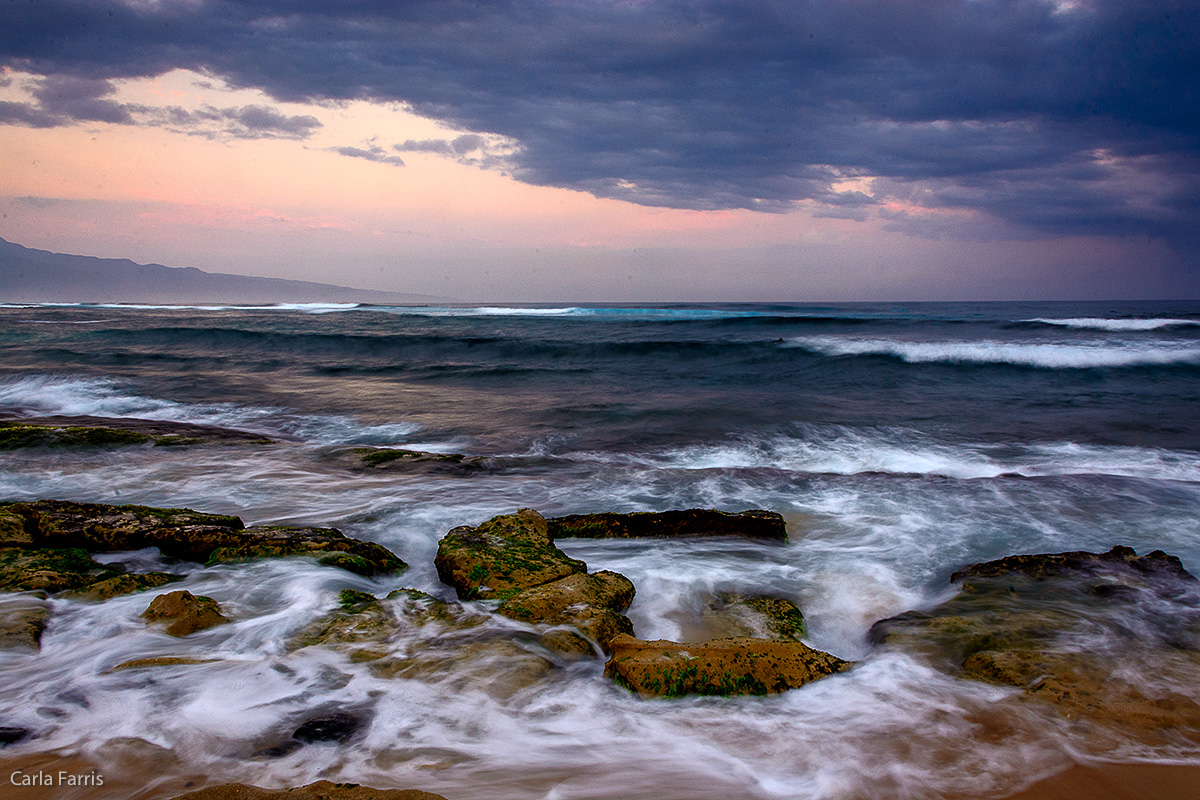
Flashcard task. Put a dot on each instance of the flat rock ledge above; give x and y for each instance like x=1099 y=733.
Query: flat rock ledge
x=1059 y=626
x=720 y=667
x=511 y=558
x=752 y=524
x=87 y=431
x=321 y=790
x=45 y=544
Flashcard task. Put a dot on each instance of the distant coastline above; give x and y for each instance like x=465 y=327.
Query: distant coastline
x=39 y=276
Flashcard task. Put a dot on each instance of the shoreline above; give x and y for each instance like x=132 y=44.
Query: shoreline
x=1079 y=781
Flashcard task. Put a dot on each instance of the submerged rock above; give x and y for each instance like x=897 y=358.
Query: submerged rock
x=337 y=726
x=410 y=634
x=50 y=526
x=591 y=603
x=23 y=618
x=397 y=459
x=321 y=790
x=1062 y=626
x=753 y=524
x=503 y=556
x=759 y=616
x=9 y=735
x=719 y=667
x=86 y=431
x=184 y=613
x=127 y=583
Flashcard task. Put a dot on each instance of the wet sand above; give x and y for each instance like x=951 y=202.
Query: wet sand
x=1079 y=782
x=1118 y=782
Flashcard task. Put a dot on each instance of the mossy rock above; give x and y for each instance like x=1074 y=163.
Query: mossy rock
x=127 y=583
x=755 y=615
x=1020 y=621
x=327 y=545
x=721 y=667
x=87 y=431
x=178 y=533
x=184 y=613
x=502 y=557
x=591 y=603
x=50 y=570
x=363 y=619
x=752 y=524
x=14 y=436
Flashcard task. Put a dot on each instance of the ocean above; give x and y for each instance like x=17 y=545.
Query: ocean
x=900 y=442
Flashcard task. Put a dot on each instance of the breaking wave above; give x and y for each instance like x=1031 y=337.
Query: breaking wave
x=1049 y=355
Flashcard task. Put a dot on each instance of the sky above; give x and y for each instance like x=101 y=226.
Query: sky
x=616 y=151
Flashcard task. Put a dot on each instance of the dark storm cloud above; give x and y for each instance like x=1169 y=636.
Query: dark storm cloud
x=69 y=99
x=1056 y=117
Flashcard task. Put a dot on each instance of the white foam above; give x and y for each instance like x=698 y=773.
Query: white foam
x=1122 y=324
x=37 y=395
x=839 y=450
x=1031 y=354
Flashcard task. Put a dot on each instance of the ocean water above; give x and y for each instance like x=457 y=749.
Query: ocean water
x=900 y=441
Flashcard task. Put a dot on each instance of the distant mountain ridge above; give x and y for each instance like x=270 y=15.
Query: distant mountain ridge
x=39 y=276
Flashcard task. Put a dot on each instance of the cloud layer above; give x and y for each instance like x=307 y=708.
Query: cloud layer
x=1050 y=117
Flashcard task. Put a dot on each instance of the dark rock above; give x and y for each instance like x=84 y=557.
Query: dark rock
x=184 y=613
x=12 y=735
x=502 y=557
x=399 y=460
x=178 y=533
x=720 y=667
x=338 y=726
x=85 y=431
x=1021 y=621
x=321 y=790
x=753 y=524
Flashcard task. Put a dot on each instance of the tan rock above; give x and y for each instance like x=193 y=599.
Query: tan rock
x=719 y=667
x=22 y=620
x=184 y=613
x=591 y=603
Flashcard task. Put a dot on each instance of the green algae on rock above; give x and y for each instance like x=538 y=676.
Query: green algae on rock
x=184 y=613
x=181 y=533
x=755 y=615
x=126 y=583
x=503 y=556
x=589 y=602
x=50 y=570
x=722 y=667
x=88 y=431
x=752 y=524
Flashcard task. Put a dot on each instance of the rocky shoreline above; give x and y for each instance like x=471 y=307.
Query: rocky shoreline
x=1014 y=622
